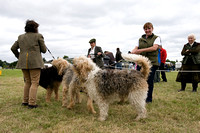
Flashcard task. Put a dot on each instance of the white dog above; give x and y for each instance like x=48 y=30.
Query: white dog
x=106 y=86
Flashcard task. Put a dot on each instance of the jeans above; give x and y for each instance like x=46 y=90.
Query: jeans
x=151 y=83
x=119 y=65
x=162 y=72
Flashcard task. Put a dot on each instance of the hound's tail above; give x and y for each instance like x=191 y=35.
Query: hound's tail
x=141 y=61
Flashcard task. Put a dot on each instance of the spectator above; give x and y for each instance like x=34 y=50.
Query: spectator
x=157 y=73
x=106 y=60
x=96 y=53
x=119 y=59
x=163 y=56
x=191 y=62
x=109 y=60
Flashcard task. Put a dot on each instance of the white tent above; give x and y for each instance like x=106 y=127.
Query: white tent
x=178 y=65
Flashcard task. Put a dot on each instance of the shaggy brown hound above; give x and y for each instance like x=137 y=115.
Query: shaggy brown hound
x=72 y=86
x=106 y=86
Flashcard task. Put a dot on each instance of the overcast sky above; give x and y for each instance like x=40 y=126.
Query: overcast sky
x=68 y=25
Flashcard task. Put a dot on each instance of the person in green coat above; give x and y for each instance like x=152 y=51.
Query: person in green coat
x=31 y=45
x=191 y=62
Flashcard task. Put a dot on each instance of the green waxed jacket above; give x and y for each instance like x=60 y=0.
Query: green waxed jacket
x=31 y=45
x=146 y=43
x=193 y=52
x=98 y=58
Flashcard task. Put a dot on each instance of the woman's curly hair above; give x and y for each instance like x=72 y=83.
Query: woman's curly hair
x=31 y=26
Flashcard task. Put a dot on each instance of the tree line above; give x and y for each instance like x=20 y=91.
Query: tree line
x=5 y=64
x=12 y=65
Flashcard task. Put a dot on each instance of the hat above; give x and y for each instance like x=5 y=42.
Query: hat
x=92 y=40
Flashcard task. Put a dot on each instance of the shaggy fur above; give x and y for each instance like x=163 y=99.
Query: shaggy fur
x=51 y=77
x=72 y=86
x=106 y=86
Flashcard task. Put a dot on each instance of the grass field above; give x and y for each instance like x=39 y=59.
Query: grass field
x=170 y=112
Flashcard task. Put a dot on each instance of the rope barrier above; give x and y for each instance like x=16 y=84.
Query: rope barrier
x=178 y=71
x=113 y=67
x=123 y=68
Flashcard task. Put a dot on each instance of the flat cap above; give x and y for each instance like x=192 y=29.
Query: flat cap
x=92 y=40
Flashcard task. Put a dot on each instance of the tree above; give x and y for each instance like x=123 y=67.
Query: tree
x=13 y=64
x=167 y=60
x=5 y=64
x=1 y=63
x=65 y=57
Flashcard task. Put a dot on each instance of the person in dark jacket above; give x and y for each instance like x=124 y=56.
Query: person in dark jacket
x=31 y=44
x=191 y=62
x=109 y=60
x=118 y=58
x=96 y=53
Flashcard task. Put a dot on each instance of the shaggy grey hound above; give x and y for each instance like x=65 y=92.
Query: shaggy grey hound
x=106 y=86
x=72 y=86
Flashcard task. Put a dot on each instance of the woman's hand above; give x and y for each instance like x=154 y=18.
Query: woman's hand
x=99 y=53
x=134 y=50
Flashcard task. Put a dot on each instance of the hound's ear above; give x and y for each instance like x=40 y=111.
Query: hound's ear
x=89 y=66
x=84 y=71
x=60 y=72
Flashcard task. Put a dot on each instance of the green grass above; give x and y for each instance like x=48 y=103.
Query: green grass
x=171 y=111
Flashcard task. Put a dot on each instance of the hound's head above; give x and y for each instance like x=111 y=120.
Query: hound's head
x=60 y=64
x=83 y=66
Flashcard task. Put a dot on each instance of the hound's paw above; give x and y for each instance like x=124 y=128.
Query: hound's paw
x=101 y=119
x=64 y=105
x=140 y=117
x=93 y=112
x=69 y=107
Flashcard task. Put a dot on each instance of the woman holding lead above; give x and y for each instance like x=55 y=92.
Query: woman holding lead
x=148 y=47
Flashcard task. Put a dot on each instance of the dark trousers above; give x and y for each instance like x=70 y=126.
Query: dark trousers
x=162 y=72
x=190 y=63
x=119 y=65
x=194 y=85
x=157 y=77
x=150 y=82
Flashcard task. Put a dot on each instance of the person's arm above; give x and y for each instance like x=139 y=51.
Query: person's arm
x=100 y=53
x=195 y=50
x=185 y=51
x=43 y=48
x=149 y=49
x=15 y=48
x=134 y=50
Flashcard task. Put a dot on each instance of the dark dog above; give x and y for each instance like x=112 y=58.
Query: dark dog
x=51 y=77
